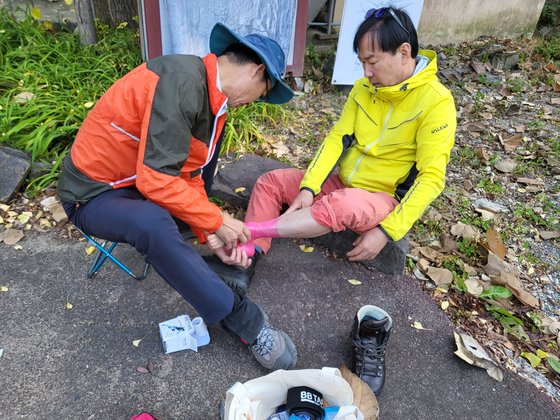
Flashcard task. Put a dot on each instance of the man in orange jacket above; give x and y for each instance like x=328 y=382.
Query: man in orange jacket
x=141 y=159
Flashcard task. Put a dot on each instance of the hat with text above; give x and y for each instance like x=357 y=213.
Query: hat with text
x=266 y=48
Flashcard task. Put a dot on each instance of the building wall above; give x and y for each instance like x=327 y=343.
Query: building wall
x=453 y=21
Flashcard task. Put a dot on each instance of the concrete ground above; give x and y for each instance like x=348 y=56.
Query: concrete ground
x=81 y=363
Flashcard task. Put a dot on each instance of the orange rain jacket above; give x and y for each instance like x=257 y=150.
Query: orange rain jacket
x=155 y=129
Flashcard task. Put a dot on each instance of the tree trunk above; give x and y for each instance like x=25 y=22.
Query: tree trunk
x=114 y=12
x=86 y=25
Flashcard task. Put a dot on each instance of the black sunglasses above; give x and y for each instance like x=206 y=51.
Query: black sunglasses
x=384 y=11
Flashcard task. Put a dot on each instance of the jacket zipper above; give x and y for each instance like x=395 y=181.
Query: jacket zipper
x=373 y=143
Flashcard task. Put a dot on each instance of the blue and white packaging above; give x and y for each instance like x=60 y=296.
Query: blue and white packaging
x=183 y=334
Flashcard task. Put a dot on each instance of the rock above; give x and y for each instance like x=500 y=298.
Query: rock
x=14 y=167
x=39 y=169
x=390 y=260
x=244 y=173
x=505 y=60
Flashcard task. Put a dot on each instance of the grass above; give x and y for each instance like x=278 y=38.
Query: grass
x=49 y=82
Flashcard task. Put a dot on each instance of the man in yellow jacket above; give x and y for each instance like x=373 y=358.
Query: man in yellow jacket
x=377 y=171
x=382 y=164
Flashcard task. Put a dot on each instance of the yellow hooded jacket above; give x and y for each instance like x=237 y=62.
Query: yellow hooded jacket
x=394 y=139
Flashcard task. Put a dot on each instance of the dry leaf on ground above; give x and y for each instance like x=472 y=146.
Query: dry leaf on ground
x=11 y=236
x=473 y=353
x=364 y=398
x=440 y=276
x=495 y=243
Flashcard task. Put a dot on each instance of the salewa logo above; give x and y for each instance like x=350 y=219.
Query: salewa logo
x=435 y=130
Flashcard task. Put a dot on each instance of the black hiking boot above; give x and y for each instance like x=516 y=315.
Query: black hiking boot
x=235 y=276
x=370 y=333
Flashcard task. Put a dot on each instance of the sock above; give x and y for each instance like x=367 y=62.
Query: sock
x=266 y=229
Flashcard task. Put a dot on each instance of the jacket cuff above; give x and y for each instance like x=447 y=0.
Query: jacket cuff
x=385 y=233
x=308 y=189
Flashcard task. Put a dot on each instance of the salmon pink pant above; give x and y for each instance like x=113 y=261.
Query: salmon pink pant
x=337 y=207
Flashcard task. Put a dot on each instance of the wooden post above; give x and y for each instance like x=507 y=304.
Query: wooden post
x=86 y=23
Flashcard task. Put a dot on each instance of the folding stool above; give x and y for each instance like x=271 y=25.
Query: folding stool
x=104 y=251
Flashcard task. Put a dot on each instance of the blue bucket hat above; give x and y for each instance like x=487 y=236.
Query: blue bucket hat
x=266 y=48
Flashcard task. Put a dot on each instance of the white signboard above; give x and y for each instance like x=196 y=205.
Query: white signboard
x=347 y=67
x=186 y=24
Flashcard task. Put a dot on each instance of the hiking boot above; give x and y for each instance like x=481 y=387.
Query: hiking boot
x=274 y=349
x=235 y=276
x=370 y=333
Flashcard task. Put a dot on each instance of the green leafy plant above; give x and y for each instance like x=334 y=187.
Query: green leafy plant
x=511 y=324
x=49 y=82
x=496 y=292
x=243 y=127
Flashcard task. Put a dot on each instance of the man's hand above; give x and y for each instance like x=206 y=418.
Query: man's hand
x=228 y=256
x=232 y=231
x=303 y=199
x=368 y=245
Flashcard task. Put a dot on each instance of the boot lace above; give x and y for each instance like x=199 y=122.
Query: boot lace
x=265 y=341
x=369 y=358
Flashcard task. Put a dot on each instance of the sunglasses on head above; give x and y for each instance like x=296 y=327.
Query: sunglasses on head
x=381 y=13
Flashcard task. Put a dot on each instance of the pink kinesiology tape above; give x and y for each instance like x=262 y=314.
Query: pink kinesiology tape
x=248 y=247
x=266 y=229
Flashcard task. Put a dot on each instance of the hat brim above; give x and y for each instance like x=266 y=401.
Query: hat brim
x=222 y=37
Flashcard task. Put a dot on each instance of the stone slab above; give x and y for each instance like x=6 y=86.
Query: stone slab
x=14 y=167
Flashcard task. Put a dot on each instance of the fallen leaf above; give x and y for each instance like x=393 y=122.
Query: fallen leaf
x=549 y=234
x=11 y=236
x=150 y=365
x=530 y=181
x=495 y=243
x=136 y=343
x=68 y=306
x=542 y=354
x=23 y=97
x=142 y=369
x=473 y=353
x=18 y=247
x=511 y=143
x=464 y=231
x=532 y=358
x=440 y=276
x=444 y=304
x=4 y=288
x=473 y=287
x=505 y=165
x=553 y=362
x=1 y=220
x=69 y=2
x=4 y=207
x=279 y=149
x=482 y=155
x=305 y=248
x=24 y=217
x=513 y=283
x=417 y=325
x=430 y=253
x=354 y=282
x=240 y=189
x=88 y=104
x=89 y=250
